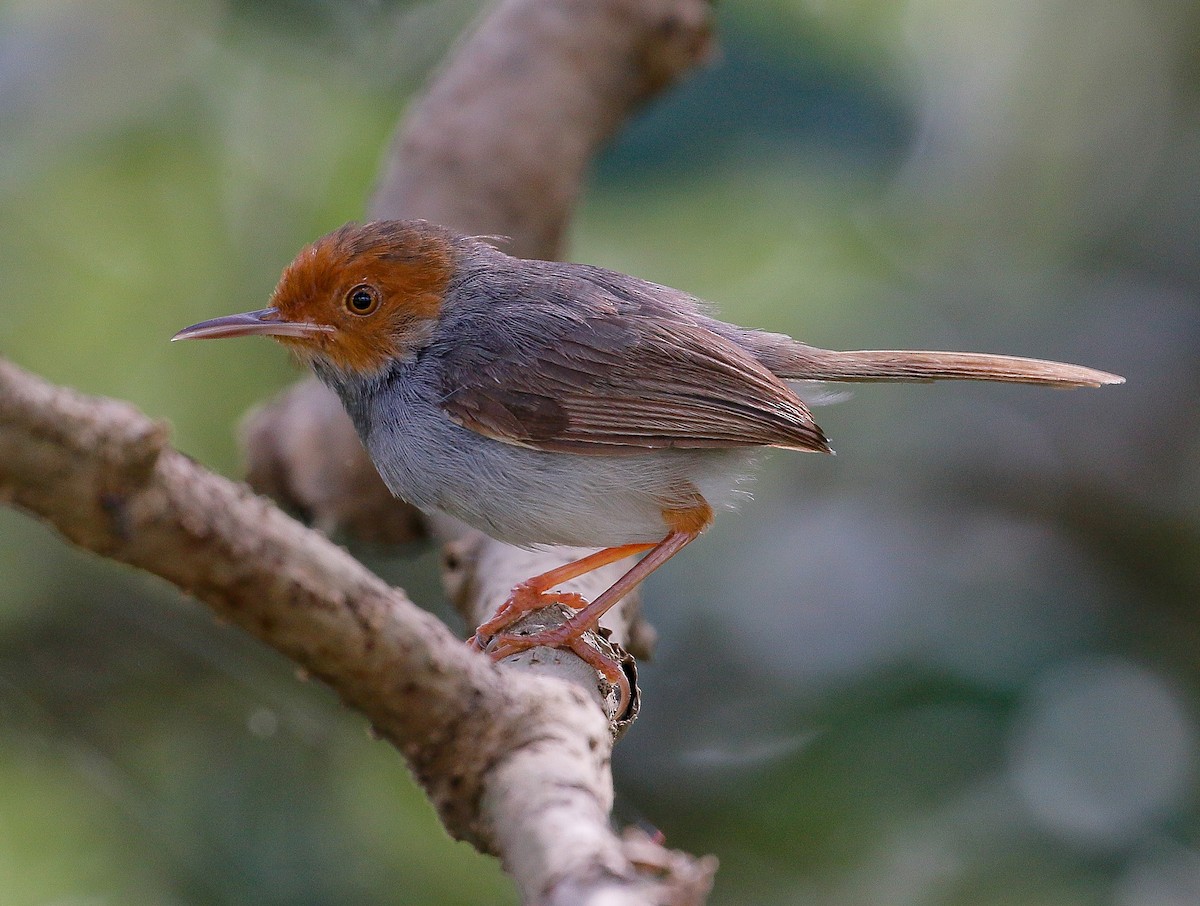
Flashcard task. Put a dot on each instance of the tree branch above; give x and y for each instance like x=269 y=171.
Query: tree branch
x=516 y=763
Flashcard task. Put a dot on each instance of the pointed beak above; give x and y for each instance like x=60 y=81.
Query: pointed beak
x=264 y=322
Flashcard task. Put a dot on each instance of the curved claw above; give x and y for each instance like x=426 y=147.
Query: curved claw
x=526 y=599
x=492 y=638
x=566 y=636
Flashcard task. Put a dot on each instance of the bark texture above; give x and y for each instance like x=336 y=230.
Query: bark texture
x=516 y=761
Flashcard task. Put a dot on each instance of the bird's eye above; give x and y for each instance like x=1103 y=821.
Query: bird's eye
x=362 y=300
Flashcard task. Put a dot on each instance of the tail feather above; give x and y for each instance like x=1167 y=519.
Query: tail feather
x=808 y=363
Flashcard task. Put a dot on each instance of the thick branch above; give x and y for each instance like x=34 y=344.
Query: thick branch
x=515 y=762
x=500 y=143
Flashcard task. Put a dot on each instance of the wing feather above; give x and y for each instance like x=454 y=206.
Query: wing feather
x=602 y=382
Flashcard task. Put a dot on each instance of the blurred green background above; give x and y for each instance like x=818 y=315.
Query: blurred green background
x=956 y=664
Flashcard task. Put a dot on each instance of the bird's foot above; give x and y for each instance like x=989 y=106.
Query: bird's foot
x=567 y=635
x=525 y=598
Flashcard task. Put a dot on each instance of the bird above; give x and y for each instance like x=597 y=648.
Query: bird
x=549 y=403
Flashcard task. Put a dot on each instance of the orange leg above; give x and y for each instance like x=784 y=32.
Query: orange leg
x=568 y=633
x=532 y=594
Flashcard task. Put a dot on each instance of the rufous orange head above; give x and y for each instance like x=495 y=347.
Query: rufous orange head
x=358 y=297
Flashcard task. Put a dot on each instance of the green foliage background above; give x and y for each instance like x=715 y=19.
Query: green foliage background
x=954 y=665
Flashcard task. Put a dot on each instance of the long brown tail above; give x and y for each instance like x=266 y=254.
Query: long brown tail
x=808 y=363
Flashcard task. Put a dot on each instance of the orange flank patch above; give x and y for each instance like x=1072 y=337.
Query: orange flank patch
x=692 y=518
x=405 y=265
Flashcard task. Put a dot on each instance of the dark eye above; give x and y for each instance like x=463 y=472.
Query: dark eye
x=362 y=300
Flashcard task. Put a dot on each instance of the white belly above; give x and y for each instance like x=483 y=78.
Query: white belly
x=531 y=497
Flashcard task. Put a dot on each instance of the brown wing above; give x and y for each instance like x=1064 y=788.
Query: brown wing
x=608 y=384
